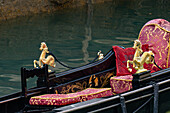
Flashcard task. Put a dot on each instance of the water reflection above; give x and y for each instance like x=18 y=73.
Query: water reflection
x=88 y=32
x=73 y=35
x=11 y=77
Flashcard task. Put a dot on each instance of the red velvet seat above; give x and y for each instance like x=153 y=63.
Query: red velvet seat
x=64 y=99
x=121 y=84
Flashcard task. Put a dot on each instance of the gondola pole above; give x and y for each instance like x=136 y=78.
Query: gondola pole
x=123 y=105
x=156 y=96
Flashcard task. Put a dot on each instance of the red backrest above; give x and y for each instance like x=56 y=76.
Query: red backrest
x=156 y=34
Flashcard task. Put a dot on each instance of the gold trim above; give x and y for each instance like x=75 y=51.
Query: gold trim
x=114 y=93
x=121 y=79
x=155 y=25
x=168 y=55
x=107 y=79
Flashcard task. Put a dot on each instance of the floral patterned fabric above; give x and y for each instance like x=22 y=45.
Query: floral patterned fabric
x=64 y=99
x=121 y=84
x=156 y=34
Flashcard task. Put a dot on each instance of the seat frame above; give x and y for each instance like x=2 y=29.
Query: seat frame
x=41 y=73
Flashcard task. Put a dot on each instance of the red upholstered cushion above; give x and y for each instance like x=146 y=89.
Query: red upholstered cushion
x=121 y=84
x=64 y=99
x=156 y=34
x=122 y=55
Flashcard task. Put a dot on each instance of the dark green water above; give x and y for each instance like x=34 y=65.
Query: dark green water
x=73 y=35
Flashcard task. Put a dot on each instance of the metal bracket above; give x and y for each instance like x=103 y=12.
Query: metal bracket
x=156 y=97
x=123 y=105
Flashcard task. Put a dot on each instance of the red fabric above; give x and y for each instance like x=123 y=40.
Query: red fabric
x=145 y=47
x=123 y=80
x=121 y=84
x=122 y=55
x=161 y=22
x=156 y=34
x=64 y=99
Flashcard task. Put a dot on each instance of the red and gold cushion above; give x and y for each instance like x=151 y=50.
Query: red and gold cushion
x=122 y=55
x=64 y=99
x=156 y=34
x=121 y=84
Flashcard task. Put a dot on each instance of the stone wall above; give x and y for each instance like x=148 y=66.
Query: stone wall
x=15 y=8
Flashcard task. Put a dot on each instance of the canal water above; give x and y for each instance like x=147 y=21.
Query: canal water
x=73 y=35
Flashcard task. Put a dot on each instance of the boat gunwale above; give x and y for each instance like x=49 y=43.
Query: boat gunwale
x=131 y=100
x=40 y=89
x=104 y=71
x=156 y=74
x=110 y=53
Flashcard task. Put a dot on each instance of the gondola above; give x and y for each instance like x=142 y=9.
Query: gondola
x=109 y=84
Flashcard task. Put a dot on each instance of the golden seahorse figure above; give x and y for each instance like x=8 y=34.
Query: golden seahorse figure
x=49 y=60
x=140 y=58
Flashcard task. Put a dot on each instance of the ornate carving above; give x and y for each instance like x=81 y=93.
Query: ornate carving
x=107 y=79
x=71 y=88
x=138 y=60
x=102 y=80
x=50 y=60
